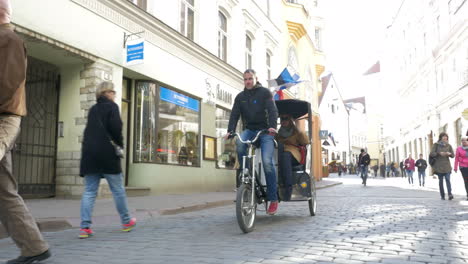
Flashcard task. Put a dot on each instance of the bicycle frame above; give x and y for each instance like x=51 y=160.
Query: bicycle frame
x=253 y=158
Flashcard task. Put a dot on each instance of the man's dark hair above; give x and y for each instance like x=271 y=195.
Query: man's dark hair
x=252 y=71
x=362 y=150
x=441 y=135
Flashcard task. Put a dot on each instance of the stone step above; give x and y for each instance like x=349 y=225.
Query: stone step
x=137 y=191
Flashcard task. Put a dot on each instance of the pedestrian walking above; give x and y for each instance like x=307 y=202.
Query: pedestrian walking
x=100 y=158
x=375 y=168
x=363 y=164
x=402 y=169
x=421 y=164
x=382 y=170
x=14 y=215
x=409 y=167
x=461 y=161
x=441 y=151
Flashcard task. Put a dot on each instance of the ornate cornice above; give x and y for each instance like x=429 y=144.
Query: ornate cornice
x=251 y=24
x=296 y=30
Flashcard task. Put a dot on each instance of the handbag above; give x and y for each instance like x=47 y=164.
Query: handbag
x=432 y=160
x=119 y=151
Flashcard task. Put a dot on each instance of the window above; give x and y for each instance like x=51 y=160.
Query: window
x=226 y=149
x=222 y=36
x=187 y=17
x=178 y=129
x=140 y=3
x=172 y=137
x=248 y=52
x=145 y=122
x=268 y=65
x=318 y=38
x=315 y=3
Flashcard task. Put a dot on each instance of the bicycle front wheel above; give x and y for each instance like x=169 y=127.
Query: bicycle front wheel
x=245 y=208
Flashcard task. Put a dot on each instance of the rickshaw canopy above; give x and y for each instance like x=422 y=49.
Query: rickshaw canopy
x=295 y=108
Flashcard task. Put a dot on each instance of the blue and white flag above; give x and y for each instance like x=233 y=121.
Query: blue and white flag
x=286 y=79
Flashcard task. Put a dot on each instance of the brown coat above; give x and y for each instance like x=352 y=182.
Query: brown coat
x=442 y=163
x=12 y=72
x=297 y=138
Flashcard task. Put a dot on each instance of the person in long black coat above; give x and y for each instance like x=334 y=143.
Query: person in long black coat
x=100 y=160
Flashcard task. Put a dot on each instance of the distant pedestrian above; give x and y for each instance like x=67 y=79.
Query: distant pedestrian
x=375 y=168
x=461 y=161
x=363 y=164
x=421 y=164
x=14 y=215
x=441 y=151
x=409 y=168
x=100 y=158
x=402 y=169
x=382 y=170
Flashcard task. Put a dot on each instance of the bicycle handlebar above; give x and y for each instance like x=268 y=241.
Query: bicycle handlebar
x=253 y=140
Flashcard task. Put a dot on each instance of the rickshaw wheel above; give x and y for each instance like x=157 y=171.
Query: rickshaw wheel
x=245 y=208
x=313 y=198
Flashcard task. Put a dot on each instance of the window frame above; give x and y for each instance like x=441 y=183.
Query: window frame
x=157 y=121
x=222 y=36
x=248 y=51
x=184 y=9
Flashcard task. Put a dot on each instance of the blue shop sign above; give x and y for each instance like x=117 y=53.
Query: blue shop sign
x=135 y=51
x=179 y=99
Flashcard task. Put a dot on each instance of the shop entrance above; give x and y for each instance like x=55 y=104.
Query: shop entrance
x=34 y=155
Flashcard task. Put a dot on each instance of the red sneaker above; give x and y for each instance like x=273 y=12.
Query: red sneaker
x=86 y=232
x=128 y=227
x=272 y=208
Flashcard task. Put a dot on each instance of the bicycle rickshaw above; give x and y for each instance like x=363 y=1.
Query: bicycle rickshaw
x=252 y=191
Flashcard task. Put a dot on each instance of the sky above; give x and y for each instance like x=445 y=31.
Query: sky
x=353 y=37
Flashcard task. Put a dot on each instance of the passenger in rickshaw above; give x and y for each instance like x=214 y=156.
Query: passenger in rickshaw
x=291 y=152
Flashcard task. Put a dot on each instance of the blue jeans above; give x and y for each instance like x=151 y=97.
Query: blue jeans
x=268 y=149
x=363 y=171
x=410 y=176
x=441 y=184
x=89 y=197
x=421 y=176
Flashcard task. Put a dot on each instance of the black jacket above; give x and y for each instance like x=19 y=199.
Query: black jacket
x=364 y=159
x=421 y=164
x=97 y=153
x=256 y=107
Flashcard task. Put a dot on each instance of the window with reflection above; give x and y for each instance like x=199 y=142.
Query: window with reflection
x=145 y=122
x=167 y=125
x=226 y=149
x=178 y=129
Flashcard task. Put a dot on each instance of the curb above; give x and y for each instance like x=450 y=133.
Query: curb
x=54 y=224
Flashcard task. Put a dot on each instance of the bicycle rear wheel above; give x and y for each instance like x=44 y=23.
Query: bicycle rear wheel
x=245 y=208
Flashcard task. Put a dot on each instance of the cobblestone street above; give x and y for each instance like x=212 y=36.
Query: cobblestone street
x=380 y=223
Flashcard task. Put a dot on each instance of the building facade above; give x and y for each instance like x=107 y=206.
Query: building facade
x=175 y=105
x=301 y=49
x=426 y=61
x=336 y=147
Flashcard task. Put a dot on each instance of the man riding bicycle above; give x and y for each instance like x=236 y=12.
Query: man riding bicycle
x=258 y=111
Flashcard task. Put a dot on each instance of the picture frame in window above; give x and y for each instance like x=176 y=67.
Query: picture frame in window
x=209 y=148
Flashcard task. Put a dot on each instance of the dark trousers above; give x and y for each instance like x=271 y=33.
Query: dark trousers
x=445 y=176
x=286 y=161
x=464 y=172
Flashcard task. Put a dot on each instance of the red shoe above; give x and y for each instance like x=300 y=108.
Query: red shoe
x=128 y=227
x=86 y=232
x=272 y=208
